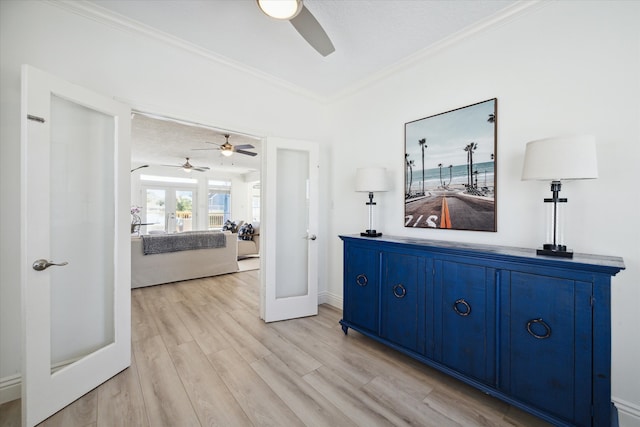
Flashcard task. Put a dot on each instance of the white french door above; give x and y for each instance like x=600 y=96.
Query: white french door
x=75 y=259
x=290 y=226
x=168 y=209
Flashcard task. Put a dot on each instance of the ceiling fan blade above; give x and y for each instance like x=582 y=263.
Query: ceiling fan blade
x=214 y=143
x=311 y=30
x=139 y=167
x=201 y=168
x=172 y=166
x=248 y=153
x=201 y=149
x=243 y=146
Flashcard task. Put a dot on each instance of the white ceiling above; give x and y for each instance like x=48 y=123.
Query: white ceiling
x=370 y=37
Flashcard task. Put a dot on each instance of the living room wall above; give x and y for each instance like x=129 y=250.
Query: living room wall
x=149 y=74
x=561 y=68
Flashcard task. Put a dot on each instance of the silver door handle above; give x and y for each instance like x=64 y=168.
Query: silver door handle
x=310 y=237
x=43 y=264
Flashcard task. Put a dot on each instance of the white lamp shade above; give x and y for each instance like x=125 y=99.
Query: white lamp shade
x=559 y=159
x=371 y=179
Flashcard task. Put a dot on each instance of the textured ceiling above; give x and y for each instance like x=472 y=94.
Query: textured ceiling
x=370 y=36
x=157 y=141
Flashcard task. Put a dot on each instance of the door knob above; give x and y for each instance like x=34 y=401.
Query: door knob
x=43 y=264
x=312 y=237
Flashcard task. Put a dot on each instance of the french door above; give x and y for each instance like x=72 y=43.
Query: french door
x=290 y=225
x=75 y=258
x=169 y=209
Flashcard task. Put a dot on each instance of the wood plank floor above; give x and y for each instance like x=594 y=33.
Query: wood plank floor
x=202 y=357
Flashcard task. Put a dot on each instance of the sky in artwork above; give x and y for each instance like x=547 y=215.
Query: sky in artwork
x=448 y=133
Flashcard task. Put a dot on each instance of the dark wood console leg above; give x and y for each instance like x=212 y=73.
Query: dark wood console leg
x=345 y=328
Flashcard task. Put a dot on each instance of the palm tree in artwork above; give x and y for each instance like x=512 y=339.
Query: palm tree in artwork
x=450 y=174
x=492 y=118
x=409 y=170
x=440 y=167
x=470 y=148
x=423 y=145
x=467 y=148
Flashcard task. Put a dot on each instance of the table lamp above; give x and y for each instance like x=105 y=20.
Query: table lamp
x=555 y=160
x=370 y=180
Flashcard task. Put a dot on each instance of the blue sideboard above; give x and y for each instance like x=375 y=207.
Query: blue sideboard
x=533 y=331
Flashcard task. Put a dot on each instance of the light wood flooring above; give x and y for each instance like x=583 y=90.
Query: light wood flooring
x=202 y=357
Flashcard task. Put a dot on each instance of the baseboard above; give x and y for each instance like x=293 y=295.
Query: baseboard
x=628 y=413
x=10 y=388
x=331 y=299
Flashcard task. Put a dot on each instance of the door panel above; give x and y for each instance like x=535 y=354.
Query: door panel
x=465 y=308
x=362 y=267
x=169 y=209
x=550 y=346
x=292 y=223
x=290 y=227
x=74 y=197
x=400 y=297
x=155 y=210
x=184 y=210
x=82 y=211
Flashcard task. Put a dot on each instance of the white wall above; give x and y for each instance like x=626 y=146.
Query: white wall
x=566 y=67
x=240 y=207
x=152 y=76
x=563 y=68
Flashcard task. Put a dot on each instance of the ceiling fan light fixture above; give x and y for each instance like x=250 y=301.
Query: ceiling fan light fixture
x=226 y=151
x=280 y=9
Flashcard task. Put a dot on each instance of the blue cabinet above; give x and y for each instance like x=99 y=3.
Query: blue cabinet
x=546 y=343
x=465 y=318
x=401 y=315
x=361 y=289
x=532 y=331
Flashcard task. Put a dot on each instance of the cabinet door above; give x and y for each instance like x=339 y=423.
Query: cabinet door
x=400 y=297
x=546 y=344
x=465 y=318
x=361 y=272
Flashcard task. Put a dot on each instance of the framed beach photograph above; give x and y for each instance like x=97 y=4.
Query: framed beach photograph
x=450 y=173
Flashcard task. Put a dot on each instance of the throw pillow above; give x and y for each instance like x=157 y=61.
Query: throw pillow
x=245 y=232
x=230 y=226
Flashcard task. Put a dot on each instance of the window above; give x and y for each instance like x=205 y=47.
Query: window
x=255 y=202
x=219 y=203
x=169 y=204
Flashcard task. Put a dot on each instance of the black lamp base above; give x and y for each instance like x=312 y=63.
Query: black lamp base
x=549 y=249
x=371 y=233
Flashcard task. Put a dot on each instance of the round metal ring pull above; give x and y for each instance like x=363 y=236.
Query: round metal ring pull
x=466 y=307
x=547 y=328
x=399 y=291
x=362 y=280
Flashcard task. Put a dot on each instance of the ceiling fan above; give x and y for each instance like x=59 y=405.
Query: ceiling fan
x=227 y=149
x=302 y=20
x=188 y=167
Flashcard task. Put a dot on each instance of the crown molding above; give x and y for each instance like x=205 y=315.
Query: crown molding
x=506 y=15
x=114 y=20
x=106 y=17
